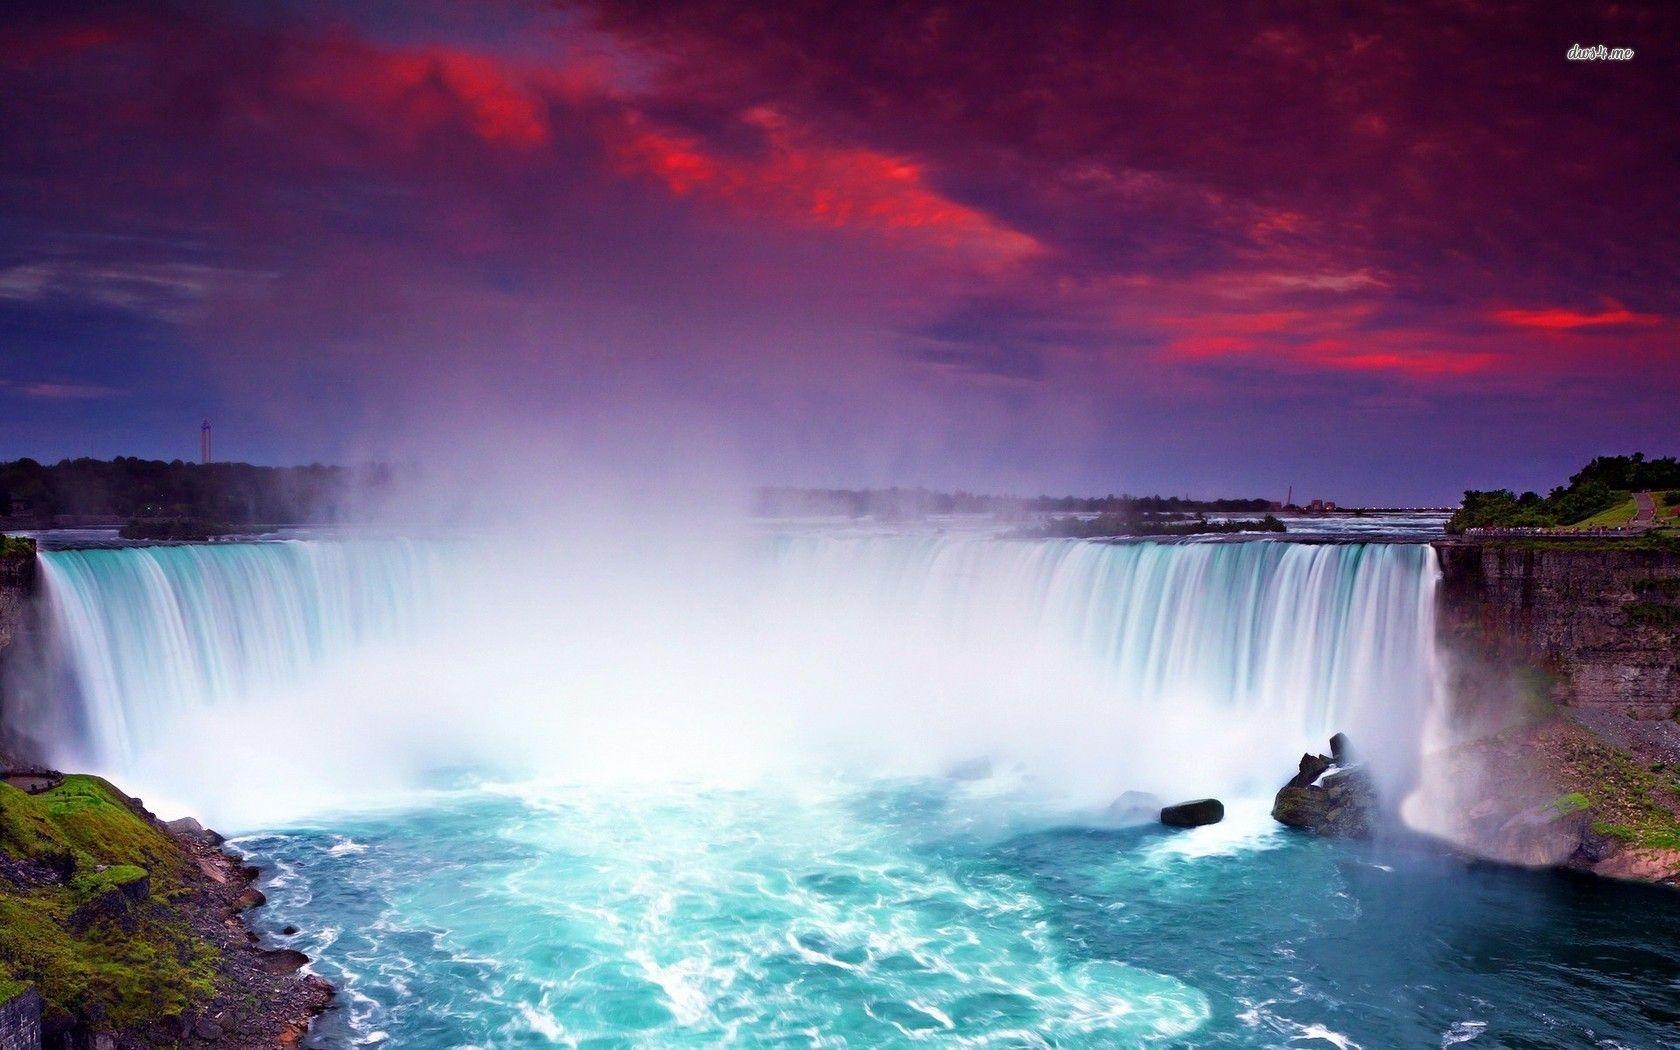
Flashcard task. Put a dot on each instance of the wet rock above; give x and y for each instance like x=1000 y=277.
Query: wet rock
x=1133 y=807
x=1301 y=807
x=1193 y=814
x=1339 y=750
x=288 y=930
x=1312 y=767
x=1327 y=797
x=282 y=960
x=1352 y=804
x=1545 y=834
x=188 y=828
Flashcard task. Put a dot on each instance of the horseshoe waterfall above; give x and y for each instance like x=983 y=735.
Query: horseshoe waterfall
x=688 y=793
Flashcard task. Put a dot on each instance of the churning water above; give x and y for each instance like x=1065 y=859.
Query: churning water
x=827 y=791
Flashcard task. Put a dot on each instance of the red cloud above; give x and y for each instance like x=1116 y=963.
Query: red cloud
x=1561 y=319
x=410 y=93
x=54 y=44
x=1340 y=340
x=817 y=185
x=793 y=177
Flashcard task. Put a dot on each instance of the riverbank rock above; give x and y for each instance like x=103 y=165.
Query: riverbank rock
x=1557 y=793
x=83 y=868
x=1326 y=796
x=1194 y=814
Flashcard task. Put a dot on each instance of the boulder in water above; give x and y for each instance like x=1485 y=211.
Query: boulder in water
x=1342 y=803
x=1133 y=807
x=1193 y=814
x=1339 y=750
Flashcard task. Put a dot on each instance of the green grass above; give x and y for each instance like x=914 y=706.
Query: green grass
x=1623 y=513
x=1626 y=800
x=1619 y=515
x=1574 y=802
x=150 y=966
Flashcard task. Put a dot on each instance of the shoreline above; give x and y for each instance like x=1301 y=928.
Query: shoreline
x=86 y=861
x=291 y=999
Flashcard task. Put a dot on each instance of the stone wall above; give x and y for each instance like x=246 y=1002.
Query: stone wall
x=20 y=1021
x=1602 y=622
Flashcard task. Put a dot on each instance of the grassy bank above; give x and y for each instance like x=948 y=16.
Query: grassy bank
x=90 y=909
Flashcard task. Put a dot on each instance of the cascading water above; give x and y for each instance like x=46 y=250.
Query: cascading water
x=644 y=792
x=152 y=632
x=1073 y=660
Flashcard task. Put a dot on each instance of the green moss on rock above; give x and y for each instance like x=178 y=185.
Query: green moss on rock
x=109 y=968
x=1574 y=802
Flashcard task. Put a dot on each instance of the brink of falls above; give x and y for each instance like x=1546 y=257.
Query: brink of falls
x=1089 y=667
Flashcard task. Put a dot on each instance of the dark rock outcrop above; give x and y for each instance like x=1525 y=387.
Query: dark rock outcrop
x=1326 y=797
x=188 y=828
x=1193 y=814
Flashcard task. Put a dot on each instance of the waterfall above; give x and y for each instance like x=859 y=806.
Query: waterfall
x=150 y=632
x=1318 y=636
x=1171 y=667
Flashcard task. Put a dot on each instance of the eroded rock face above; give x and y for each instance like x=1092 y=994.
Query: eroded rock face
x=1603 y=623
x=1327 y=797
x=1555 y=794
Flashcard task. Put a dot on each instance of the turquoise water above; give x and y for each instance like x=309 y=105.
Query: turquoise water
x=723 y=816
x=951 y=912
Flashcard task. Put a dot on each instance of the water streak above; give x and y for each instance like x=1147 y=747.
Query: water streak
x=1087 y=667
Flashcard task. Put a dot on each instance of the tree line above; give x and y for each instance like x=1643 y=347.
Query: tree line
x=236 y=493
x=1603 y=483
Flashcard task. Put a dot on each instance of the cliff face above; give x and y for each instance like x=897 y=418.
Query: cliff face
x=1561 y=742
x=17 y=584
x=1604 y=623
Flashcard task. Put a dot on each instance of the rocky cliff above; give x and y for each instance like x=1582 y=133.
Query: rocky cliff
x=17 y=584
x=1601 y=621
x=1560 y=740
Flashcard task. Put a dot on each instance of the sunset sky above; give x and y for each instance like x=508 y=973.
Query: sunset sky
x=1383 y=252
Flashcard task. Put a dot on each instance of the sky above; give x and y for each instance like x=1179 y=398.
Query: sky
x=1380 y=252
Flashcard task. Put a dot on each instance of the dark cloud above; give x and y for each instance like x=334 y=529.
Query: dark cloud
x=1053 y=236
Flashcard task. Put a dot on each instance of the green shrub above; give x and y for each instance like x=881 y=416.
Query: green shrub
x=1652 y=614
